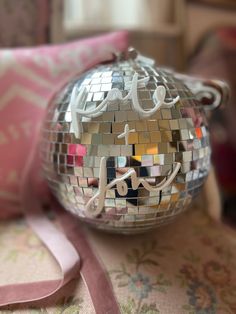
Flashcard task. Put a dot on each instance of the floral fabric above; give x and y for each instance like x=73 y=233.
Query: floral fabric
x=185 y=267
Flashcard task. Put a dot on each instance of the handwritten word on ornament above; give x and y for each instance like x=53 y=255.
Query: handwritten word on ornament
x=77 y=102
x=122 y=187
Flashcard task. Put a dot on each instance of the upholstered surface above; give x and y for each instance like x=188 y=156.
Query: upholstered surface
x=185 y=267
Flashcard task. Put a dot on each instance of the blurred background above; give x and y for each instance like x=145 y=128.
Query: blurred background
x=193 y=36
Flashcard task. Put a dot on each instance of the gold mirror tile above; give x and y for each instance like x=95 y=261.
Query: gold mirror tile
x=132 y=116
x=120 y=116
x=166 y=114
x=152 y=149
x=126 y=150
x=152 y=125
x=164 y=125
x=140 y=149
x=141 y=125
x=118 y=127
x=166 y=136
x=108 y=139
x=144 y=137
x=155 y=136
x=86 y=138
x=107 y=116
x=172 y=147
x=163 y=148
x=174 y=124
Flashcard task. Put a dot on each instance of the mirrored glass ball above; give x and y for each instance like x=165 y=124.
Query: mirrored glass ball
x=125 y=146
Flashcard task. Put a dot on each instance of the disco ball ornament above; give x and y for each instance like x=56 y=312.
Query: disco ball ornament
x=125 y=146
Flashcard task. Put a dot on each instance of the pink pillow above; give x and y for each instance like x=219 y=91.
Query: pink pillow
x=28 y=78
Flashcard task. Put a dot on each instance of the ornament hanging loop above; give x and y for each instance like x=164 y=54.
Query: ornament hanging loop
x=131 y=54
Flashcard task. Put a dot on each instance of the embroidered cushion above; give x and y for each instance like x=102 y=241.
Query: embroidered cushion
x=28 y=78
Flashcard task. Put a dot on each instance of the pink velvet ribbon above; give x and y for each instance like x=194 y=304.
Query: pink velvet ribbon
x=59 y=246
x=92 y=270
x=65 y=253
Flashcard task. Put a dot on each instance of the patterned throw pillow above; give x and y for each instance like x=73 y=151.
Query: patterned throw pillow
x=28 y=78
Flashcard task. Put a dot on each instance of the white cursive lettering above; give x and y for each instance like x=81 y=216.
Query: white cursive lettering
x=77 y=102
x=125 y=134
x=122 y=188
